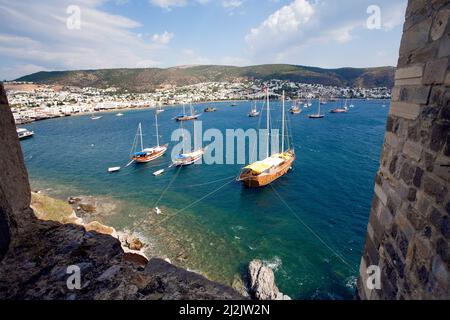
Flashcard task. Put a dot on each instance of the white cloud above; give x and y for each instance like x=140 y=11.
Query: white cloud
x=169 y=4
x=232 y=3
x=281 y=24
x=289 y=33
x=163 y=38
x=104 y=40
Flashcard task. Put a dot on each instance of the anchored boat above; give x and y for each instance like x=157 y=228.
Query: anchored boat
x=147 y=154
x=340 y=110
x=253 y=111
x=23 y=133
x=317 y=115
x=188 y=158
x=186 y=117
x=295 y=109
x=264 y=172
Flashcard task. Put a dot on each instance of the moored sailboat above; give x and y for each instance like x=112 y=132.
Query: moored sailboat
x=317 y=115
x=264 y=172
x=147 y=154
x=295 y=109
x=186 y=117
x=188 y=158
x=253 y=111
x=340 y=110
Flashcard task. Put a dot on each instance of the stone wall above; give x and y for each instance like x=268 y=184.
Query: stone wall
x=409 y=226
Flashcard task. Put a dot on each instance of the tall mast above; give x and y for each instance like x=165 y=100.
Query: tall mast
x=268 y=122
x=140 y=134
x=157 y=134
x=319 y=108
x=282 y=127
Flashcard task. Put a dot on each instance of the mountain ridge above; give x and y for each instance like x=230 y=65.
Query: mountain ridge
x=149 y=79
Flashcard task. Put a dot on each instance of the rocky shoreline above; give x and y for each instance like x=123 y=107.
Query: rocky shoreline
x=82 y=211
x=257 y=283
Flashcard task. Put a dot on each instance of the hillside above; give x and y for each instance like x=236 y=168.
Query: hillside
x=148 y=79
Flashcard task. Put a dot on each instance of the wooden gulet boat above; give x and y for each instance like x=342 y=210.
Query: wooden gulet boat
x=145 y=155
x=340 y=110
x=186 y=117
x=261 y=173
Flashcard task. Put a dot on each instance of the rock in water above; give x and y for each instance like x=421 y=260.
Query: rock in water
x=261 y=282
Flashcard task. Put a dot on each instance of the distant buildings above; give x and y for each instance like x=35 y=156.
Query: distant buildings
x=46 y=101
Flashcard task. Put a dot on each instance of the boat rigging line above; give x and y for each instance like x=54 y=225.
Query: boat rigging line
x=337 y=254
x=193 y=203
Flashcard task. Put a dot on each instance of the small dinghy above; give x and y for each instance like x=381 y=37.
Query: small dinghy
x=158 y=173
x=157 y=211
x=113 y=169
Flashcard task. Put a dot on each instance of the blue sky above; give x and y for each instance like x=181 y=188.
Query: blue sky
x=34 y=35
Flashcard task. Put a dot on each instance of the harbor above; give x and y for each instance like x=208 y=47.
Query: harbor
x=217 y=234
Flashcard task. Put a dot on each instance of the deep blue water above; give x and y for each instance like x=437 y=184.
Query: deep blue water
x=329 y=190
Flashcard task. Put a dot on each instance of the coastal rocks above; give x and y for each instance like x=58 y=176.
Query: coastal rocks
x=91 y=208
x=83 y=205
x=130 y=241
x=100 y=228
x=261 y=282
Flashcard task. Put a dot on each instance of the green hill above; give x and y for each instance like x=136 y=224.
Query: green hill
x=149 y=79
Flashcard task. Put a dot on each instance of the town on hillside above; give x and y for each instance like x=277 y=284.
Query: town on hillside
x=31 y=102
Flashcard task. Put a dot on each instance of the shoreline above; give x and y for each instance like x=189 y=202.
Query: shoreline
x=69 y=211
x=49 y=208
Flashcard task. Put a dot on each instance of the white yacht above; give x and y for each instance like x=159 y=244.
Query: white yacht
x=24 y=133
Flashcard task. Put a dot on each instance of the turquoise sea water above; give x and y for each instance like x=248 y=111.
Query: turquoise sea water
x=329 y=192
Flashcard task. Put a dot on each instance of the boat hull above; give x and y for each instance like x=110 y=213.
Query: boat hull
x=188 y=161
x=150 y=157
x=251 y=181
x=187 y=118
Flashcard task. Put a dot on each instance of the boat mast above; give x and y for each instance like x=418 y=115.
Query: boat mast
x=157 y=134
x=282 y=127
x=319 y=109
x=268 y=121
x=140 y=135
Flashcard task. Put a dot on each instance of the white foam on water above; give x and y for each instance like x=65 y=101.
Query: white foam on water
x=274 y=263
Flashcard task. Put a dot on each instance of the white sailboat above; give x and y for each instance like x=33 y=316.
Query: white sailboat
x=185 y=159
x=253 y=111
x=147 y=154
x=159 y=109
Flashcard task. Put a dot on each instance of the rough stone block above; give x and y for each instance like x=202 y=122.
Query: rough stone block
x=416 y=36
x=380 y=194
x=405 y=110
x=409 y=82
x=409 y=72
x=412 y=150
x=440 y=24
x=435 y=71
x=415 y=94
x=435 y=189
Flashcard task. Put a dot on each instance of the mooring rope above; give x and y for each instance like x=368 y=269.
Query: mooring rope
x=193 y=203
x=337 y=254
